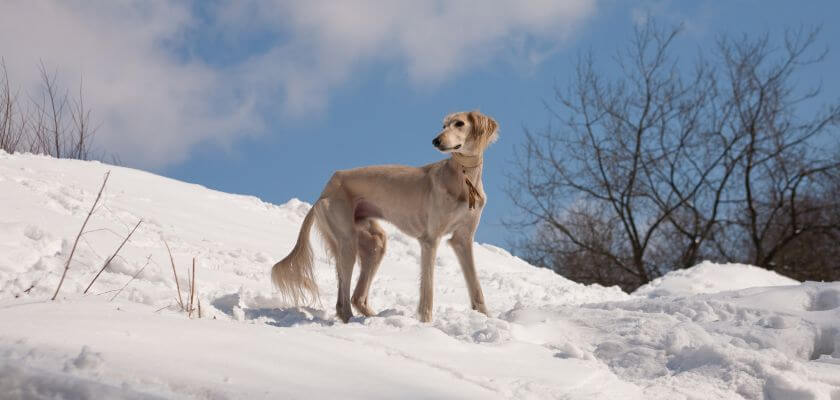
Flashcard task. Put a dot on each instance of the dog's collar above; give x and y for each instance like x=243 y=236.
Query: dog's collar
x=467 y=161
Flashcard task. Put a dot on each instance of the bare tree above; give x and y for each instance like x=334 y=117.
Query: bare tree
x=609 y=184
x=53 y=106
x=814 y=253
x=782 y=171
x=660 y=168
x=12 y=121
x=82 y=130
x=50 y=121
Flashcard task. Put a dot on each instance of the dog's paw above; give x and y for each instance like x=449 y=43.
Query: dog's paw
x=480 y=307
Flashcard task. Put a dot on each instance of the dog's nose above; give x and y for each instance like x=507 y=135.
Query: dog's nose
x=436 y=142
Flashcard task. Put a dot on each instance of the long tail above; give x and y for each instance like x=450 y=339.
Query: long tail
x=293 y=275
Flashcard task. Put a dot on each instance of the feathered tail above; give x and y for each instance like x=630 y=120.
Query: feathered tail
x=293 y=275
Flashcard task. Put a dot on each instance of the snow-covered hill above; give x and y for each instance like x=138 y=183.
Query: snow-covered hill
x=678 y=337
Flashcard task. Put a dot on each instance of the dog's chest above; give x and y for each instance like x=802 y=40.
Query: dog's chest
x=466 y=194
x=456 y=211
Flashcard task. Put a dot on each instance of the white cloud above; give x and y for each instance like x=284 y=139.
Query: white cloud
x=693 y=22
x=155 y=103
x=153 y=107
x=432 y=40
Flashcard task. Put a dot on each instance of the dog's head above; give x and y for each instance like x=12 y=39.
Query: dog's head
x=468 y=133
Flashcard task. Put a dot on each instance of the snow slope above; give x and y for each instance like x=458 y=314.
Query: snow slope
x=548 y=337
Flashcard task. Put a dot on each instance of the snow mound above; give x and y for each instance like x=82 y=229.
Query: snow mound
x=545 y=337
x=709 y=277
x=767 y=342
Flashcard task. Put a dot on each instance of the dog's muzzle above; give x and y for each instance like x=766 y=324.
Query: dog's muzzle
x=436 y=143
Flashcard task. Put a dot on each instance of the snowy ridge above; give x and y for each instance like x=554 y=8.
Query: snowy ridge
x=712 y=331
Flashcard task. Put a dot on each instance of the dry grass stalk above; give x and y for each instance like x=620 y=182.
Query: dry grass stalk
x=148 y=259
x=108 y=262
x=192 y=290
x=76 y=242
x=193 y=303
x=189 y=290
x=177 y=285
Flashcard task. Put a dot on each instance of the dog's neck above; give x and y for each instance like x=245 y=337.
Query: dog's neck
x=467 y=162
x=470 y=165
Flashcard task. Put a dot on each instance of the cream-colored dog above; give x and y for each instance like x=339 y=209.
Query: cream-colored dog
x=426 y=202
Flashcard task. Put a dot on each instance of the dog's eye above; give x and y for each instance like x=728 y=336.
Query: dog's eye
x=459 y=124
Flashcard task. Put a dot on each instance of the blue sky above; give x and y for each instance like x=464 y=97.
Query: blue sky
x=268 y=98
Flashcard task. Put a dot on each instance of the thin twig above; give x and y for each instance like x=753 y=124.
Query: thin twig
x=105 y=206
x=177 y=285
x=192 y=289
x=149 y=258
x=90 y=246
x=108 y=262
x=159 y=309
x=189 y=290
x=115 y=233
x=73 y=249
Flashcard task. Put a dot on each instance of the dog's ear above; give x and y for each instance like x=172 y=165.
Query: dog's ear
x=484 y=128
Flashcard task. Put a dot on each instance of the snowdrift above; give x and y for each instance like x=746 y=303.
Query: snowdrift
x=712 y=331
x=708 y=277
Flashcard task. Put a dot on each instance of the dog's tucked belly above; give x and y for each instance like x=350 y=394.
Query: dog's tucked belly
x=411 y=224
x=365 y=209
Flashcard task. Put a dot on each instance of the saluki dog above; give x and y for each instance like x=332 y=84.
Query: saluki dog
x=425 y=202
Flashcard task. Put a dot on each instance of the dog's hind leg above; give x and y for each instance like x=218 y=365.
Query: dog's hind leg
x=371 y=239
x=345 y=260
x=338 y=217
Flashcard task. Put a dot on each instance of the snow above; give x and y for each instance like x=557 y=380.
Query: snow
x=712 y=331
x=708 y=277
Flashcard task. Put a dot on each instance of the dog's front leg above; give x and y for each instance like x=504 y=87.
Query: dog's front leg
x=462 y=244
x=428 y=250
